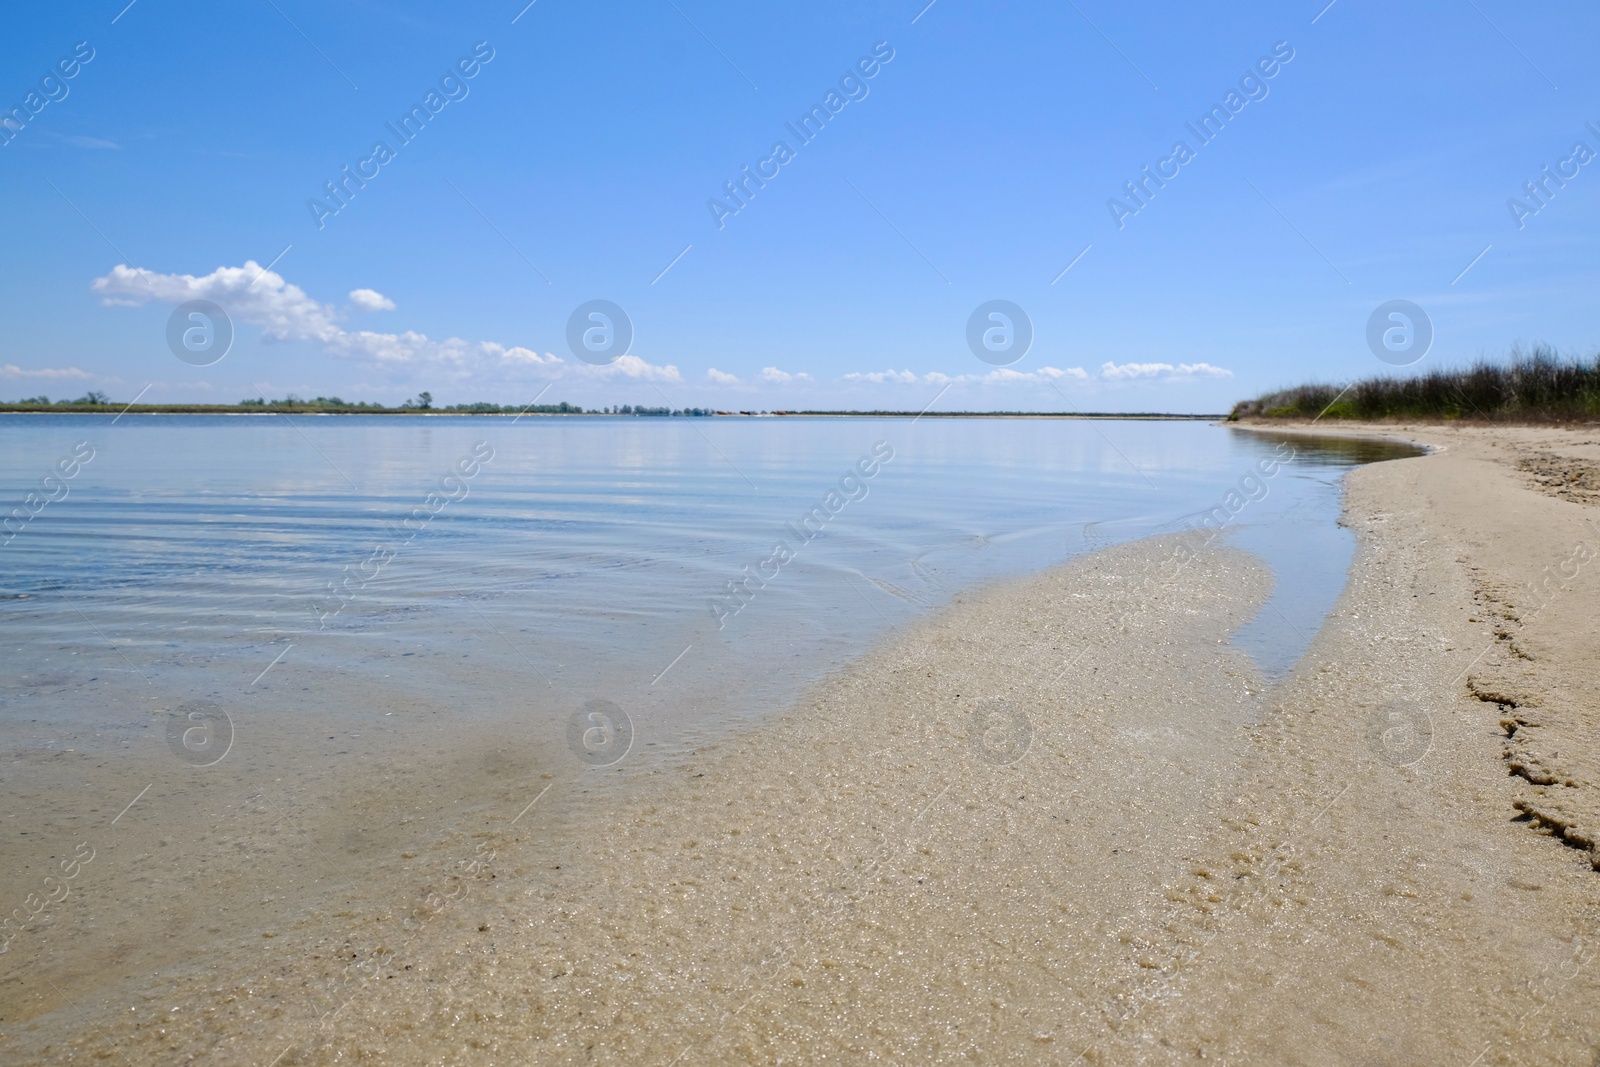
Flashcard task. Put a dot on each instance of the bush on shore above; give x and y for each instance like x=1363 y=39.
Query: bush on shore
x=1533 y=386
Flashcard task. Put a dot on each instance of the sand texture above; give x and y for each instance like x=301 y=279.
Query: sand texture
x=1062 y=821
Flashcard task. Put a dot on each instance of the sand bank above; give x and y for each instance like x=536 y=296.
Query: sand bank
x=1062 y=821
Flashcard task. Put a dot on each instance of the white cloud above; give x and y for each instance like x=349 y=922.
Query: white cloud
x=782 y=377
x=11 y=370
x=516 y=354
x=247 y=293
x=1043 y=374
x=285 y=312
x=1122 y=372
x=634 y=367
x=901 y=377
x=370 y=300
x=722 y=377
x=998 y=376
x=79 y=141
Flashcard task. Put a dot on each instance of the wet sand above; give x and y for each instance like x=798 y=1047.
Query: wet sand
x=1062 y=821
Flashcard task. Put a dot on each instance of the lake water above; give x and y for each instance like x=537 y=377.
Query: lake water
x=479 y=563
x=263 y=669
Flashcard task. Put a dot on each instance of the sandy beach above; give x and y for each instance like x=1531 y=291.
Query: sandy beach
x=1061 y=821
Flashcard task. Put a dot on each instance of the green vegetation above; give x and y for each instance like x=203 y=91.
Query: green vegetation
x=93 y=398
x=296 y=403
x=629 y=409
x=1533 y=386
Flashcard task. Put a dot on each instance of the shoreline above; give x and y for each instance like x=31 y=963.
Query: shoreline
x=1060 y=818
x=231 y=409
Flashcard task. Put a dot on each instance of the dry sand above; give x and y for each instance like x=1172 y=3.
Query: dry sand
x=1063 y=821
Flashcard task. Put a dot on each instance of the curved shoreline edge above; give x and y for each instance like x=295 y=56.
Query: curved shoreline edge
x=1522 y=499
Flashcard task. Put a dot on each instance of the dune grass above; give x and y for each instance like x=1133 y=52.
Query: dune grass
x=1535 y=385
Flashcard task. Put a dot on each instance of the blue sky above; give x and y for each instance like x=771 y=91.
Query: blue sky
x=578 y=163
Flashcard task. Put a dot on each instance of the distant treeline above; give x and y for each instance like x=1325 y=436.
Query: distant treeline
x=423 y=405
x=89 y=399
x=1532 y=386
x=332 y=405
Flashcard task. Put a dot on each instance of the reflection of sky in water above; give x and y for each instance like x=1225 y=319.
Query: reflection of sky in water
x=589 y=550
x=1308 y=550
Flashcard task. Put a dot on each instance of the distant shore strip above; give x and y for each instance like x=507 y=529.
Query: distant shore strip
x=237 y=409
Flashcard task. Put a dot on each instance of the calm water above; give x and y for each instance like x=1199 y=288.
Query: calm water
x=559 y=560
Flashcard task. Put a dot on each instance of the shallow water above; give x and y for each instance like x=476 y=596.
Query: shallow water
x=254 y=662
x=588 y=557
